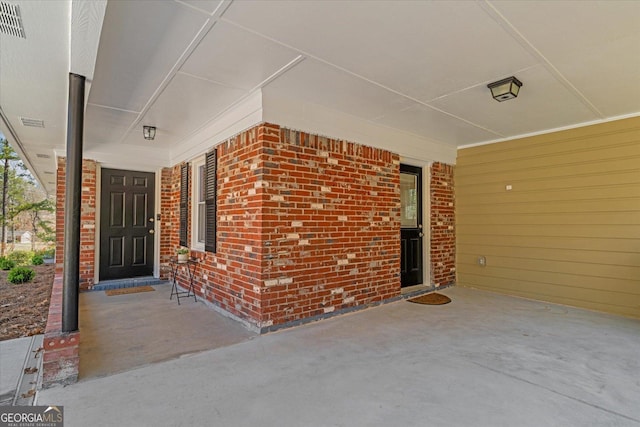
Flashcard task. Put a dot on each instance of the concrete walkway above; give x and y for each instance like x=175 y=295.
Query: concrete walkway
x=483 y=360
x=12 y=355
x=16 y=355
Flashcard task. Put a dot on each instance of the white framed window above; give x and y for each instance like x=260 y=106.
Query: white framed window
x=198 y=207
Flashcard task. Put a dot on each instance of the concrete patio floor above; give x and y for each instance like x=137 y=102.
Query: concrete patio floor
x=123 y=332
x=483 y=360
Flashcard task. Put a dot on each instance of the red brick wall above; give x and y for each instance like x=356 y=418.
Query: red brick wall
x=87 y=220
x=443 y=227
x=331 y=224
x=61 y=359
x=235 y=273
x=231 y=278
x=223 y=278
x=169 y=216
x=306 y=226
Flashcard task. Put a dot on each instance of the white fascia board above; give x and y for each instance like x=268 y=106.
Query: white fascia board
x=129 y=158
x=316 y=119
x=553 y=130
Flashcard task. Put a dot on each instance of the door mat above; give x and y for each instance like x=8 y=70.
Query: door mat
x=431 y=299
x=131 y=290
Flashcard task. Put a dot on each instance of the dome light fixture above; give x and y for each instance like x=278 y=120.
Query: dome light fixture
x=149 y=132
x=505 y=89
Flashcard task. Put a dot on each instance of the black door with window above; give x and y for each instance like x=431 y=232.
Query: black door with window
x=126 y=224
x=411 y=232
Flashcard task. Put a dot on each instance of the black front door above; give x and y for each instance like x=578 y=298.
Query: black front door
x=411 y=225
x=126 y=224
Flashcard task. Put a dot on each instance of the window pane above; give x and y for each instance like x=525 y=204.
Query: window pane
x=201 y=189
x=202 y=222
x=409 y=200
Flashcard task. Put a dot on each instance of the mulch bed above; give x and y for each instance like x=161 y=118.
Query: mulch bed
x=24 y=307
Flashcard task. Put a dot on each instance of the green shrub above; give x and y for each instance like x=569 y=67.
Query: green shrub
x=20 y=275
x=6 y=264
x=21 y=257
x=37 y=260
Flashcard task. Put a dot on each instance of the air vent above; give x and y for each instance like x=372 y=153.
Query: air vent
x=43 y=156
x=10 y=20
x=48 y=173
x=34 y=123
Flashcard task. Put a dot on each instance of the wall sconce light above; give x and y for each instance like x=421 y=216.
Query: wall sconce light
x=505 y=89
x=149 y=132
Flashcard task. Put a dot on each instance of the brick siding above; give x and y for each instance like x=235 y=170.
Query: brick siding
x=307 y=226
x=169 y=216
x=61 y=359
x=87 y=220
x=443 y=228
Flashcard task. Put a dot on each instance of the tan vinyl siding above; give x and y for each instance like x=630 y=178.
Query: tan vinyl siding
x=568 y=231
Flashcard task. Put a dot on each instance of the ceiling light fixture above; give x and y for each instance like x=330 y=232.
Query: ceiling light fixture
x=149 y=132
x=505 y=89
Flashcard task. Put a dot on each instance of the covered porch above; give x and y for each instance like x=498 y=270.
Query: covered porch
x=124 y=332
x=485 y=359
x=271 y=139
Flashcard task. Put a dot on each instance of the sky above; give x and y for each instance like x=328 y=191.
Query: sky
x=27 y=170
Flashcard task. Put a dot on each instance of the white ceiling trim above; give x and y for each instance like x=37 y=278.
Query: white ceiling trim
x=237 y=112
x=546 y=131
x=295 y=61
x=219 y=10
x=204 y=30
x=208 y=25
x=204 y=79
x=128 y=158
x=358 y=76
x=316 y=119
x=527 y=45
x=294 y=114
x=231 y=122
x=112 y=108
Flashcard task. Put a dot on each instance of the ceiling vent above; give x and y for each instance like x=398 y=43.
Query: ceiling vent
x=34 y=123
x=10 y=20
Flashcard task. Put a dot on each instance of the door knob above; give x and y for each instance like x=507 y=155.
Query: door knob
x=151 y=231
x=421 y=234
x=151 y=219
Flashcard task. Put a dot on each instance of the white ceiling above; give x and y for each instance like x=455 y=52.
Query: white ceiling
x=408 y=76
